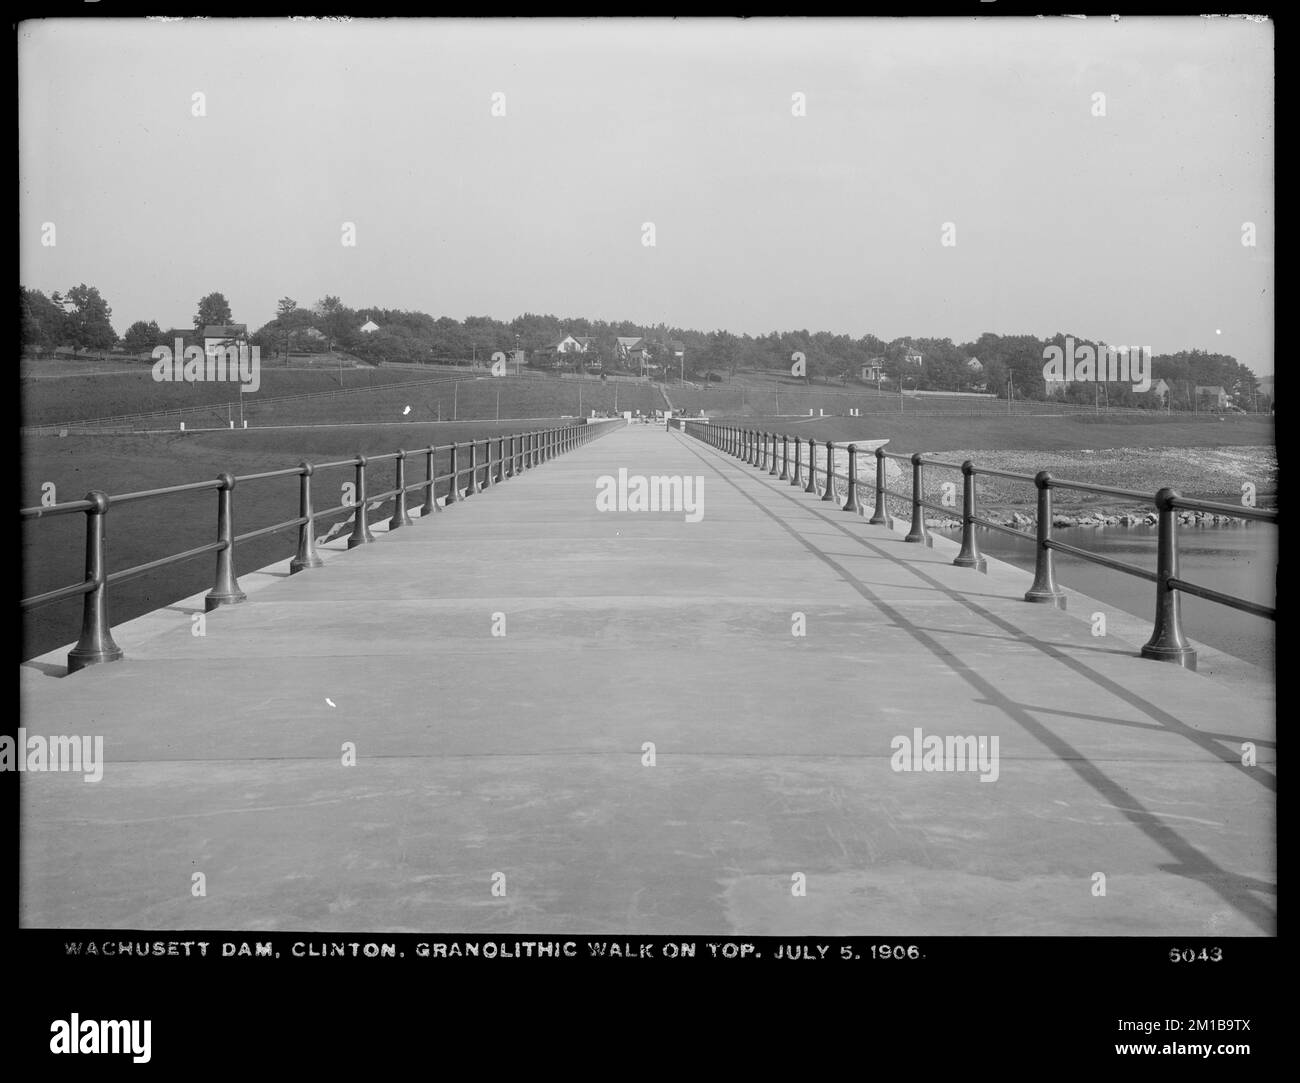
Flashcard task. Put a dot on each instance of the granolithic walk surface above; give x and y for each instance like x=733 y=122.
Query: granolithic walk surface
x=525 y=753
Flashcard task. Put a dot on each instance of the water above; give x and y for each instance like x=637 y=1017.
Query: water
x=1238 y=560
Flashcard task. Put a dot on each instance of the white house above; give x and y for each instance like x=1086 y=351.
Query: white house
x=369 y=327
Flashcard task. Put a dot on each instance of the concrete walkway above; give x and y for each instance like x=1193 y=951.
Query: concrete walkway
x=523 y=754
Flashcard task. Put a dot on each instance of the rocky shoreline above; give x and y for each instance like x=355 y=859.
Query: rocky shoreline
x=1020 y=521
x=1217 y=474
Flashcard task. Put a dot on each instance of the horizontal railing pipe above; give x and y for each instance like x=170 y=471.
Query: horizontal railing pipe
x=1167 y=643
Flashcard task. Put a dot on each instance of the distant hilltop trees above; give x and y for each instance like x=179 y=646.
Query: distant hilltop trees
x=1003 y=365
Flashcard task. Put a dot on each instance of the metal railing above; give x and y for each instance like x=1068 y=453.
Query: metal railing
x=1167 y=643
x=515 y=454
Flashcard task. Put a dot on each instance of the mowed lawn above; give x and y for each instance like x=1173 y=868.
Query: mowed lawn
x=53 y=550
x=326 y=396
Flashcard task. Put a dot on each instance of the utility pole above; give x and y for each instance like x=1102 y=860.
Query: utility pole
x=455 y=405
x=498 y=404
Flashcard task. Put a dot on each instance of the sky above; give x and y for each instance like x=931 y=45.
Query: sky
x=1124 y=227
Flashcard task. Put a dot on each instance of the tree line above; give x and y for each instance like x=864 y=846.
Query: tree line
x=1010 y=365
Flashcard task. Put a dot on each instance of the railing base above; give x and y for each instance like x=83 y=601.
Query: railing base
x=1046 y=598
x=980 y=565
x=1180 y=656
x=78 y=660
x=212 y=601
x=296 y=565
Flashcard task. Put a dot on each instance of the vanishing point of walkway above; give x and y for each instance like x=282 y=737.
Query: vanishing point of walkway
x=525 y=753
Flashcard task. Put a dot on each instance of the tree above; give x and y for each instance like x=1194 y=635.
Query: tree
x=42 y=322
x=88 y=318
x=284 y=310
x=141 y=337
x=214 y=309
x=655 y=353
x=335 y=320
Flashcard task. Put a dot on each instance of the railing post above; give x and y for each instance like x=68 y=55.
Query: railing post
x=880 y=514
x=785 y=458
x=811 y=487
x=472 y=487
x=400 y=515
x=969 y=557
x=430 y=504
x=225 y=591
x=829 y=494
x=1044 y=588
x=360 y=528
x=918 y=532
x=487 y=464
x=1167 y=642
x=95 y=644
x=501 y=459
x=851 y=504
x=762 y=451
x=455 y=478
x=798 y=455
x=306 y=557
x=517 y=453
x=772 y=465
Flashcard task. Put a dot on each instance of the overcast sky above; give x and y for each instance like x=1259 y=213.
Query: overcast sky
x=1125 y=227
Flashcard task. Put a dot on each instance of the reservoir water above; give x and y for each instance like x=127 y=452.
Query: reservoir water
x=1238 y=560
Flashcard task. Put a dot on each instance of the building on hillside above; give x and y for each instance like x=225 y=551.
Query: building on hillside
x=1215 y=397
x=568 y=344
x=369 y=327
x=1160 y=389
x=974 y=364
x=872 y=371
x=225 y=333
x=912 y=356
x=630 y=348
